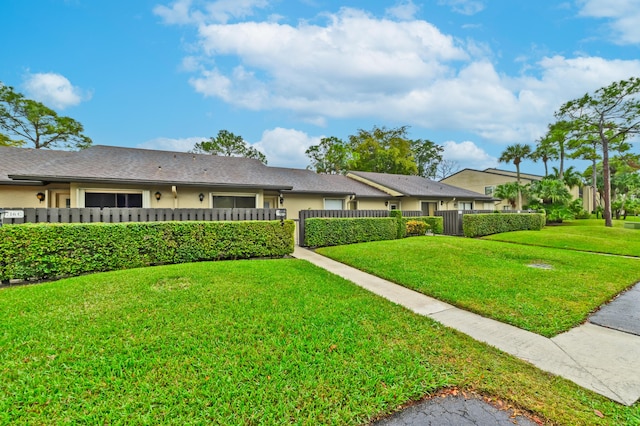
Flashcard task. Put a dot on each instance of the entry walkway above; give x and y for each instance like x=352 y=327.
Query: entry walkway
x=600 y=359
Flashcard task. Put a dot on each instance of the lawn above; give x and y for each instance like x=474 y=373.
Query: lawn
x=246 y=342
x=587 y=235
x=498 y=280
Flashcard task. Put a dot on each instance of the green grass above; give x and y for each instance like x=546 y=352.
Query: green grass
x=496 y=280
x=246 y=342
x=586 y=235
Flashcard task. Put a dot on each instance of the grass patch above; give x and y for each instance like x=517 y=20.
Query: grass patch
x=586 y=235
x=245 y=342
x=497 y=280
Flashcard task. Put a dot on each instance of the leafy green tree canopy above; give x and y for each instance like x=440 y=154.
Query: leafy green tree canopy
x=331 y=156
x=379 y=150
x=228 y=145
x=24 y=121
x=508 y=191
x=610 y=115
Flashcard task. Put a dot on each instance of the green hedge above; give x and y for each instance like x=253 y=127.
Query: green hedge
x=37 y=251
x=478 y=225
x=321 y=232
x=436 y=223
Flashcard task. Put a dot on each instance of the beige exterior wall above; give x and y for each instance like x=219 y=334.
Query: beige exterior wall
x=16 y=196
x=478 y=181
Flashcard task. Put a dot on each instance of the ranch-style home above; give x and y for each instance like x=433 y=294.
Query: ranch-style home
x=485 y=182
x=107 y=176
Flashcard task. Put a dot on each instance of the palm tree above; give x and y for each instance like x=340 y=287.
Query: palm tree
x=508 y=191
x=516 y=153
x=544 y=152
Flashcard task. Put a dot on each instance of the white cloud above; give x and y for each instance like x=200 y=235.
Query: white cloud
x=53 y=90
x=468 y=155
x=404 y=10
x=169 y=144
x=464 y=7
x=624 y=17
x=286 y=147
x=181 y=12
x=178 y=13
x=224 y=10
x=356 y=65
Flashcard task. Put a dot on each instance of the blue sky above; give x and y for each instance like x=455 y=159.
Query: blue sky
x=471 y=75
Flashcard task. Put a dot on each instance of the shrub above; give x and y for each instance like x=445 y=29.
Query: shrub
x=401 y=228
x=37 y=251
x=478 y=225
x=416 y=227
x=434 y=223
x=321 y=232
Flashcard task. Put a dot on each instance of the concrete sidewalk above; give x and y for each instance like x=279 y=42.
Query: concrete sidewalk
x=600 y=359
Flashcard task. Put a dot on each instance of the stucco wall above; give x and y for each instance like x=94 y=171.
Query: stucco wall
x=25 y=196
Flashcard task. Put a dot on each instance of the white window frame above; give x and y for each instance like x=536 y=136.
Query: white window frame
x=341 y=200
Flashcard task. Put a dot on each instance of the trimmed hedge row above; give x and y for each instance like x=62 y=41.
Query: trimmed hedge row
x=321 y=232
x=37 y=251
x=478 y=225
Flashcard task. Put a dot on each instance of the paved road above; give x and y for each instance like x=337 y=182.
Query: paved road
x=622 y=313
x=454 y=411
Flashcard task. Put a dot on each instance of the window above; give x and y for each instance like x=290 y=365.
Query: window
x=234 y=202
x=112 y=199
x=488 y=190
x=333 y=204
x=465 y=205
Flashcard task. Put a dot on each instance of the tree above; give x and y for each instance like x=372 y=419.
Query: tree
x=570 y=177
x=5 y=141
x=383 y=150
x=544 y=152
x=588 y=150
x=610 y=115
x=516 y=153
x=228 y=145
x=554 y=196
x=427 y=156
x=555 y=143
x=446 y=168
x=330 y=156
x=24 y=121
x=508 y=191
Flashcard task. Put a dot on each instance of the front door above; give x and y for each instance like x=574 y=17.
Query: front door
x=63 y=200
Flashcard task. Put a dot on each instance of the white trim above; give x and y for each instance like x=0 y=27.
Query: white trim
x=324 y=200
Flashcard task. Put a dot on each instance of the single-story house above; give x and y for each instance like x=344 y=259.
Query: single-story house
x=107 y=176
x=485 y=182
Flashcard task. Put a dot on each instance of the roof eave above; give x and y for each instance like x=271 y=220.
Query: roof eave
x=70 y=179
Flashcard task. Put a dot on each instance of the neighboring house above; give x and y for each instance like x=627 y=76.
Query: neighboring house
x=106 y=176
x=485 y=182
x=418 y=193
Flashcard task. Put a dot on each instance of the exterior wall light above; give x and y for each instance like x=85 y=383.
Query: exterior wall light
x=281 y=199
x=158 y=195
x=386 y=203
x=40 y=196
x=201 y=197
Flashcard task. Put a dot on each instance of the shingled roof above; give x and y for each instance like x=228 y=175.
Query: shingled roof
x=140 y=166
x=417 y=186
x=102 y=164
x=307 y=181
